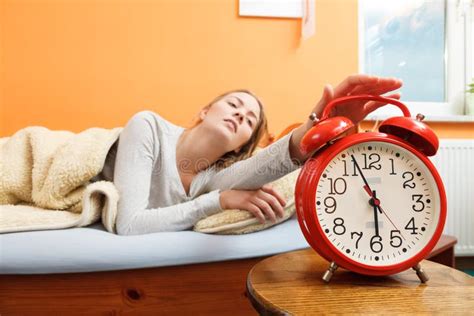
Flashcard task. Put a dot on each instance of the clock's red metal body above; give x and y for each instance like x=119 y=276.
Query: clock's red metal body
x=425 y=143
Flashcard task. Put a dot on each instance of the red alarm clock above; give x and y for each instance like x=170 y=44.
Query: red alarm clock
x=371 y=202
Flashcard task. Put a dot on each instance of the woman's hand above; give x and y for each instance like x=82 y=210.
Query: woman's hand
x=356 y=85
x=262 y=202
x=355 y=110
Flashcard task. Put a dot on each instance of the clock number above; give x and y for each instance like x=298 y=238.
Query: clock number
x=359 y=236
x=376 y=158
x=345 y=168
x=411 y=226
x=332 y=205
x=354 y=174
x=337 y=189
x=376 y=244
x=409 y=183
x=393 y=167
x=339 y=228
x=418 y=198
x=395 y=241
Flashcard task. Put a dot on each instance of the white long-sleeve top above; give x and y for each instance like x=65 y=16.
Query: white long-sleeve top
x=142 y=165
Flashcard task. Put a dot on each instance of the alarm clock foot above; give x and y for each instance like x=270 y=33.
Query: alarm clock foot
x=329 y=272
x=420 y=273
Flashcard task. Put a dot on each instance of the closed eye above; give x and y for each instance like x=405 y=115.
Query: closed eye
x=234 y=106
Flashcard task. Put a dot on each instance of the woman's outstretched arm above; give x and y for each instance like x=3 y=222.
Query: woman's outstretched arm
x=267 y=165
x=136 y=152
x=284 y=156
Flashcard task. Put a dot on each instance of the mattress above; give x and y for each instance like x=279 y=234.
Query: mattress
x=92 y=248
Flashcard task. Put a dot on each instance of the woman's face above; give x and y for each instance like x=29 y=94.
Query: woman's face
x=234 y=118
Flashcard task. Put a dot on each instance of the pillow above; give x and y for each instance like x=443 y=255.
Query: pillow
x=234 y=221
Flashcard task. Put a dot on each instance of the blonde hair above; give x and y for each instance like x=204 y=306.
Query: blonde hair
x=249 y=147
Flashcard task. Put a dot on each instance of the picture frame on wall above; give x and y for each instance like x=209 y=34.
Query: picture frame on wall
x=272 y=8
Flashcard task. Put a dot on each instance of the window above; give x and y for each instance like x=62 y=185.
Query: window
x=428 y=44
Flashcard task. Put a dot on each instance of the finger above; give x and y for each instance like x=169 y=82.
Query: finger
x=374 y=105
x=274 y=203
x=275 y=193
x=265 y=208
x=353 y=81
x=328 y=94
x=256 y=212
x=384 y=85
x=397 y=96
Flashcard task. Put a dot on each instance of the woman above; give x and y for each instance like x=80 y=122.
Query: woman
x=169 y=177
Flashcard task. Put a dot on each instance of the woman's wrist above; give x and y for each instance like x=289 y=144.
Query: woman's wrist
x=222 y=199
x=295 y=140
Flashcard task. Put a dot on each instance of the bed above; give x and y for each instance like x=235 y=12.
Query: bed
x=88 y=270
x=81 y=270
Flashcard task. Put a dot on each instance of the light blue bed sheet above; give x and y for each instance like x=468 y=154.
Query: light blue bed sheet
x=92 y=248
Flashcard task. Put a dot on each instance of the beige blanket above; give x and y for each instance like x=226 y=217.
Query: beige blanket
x=45 y=179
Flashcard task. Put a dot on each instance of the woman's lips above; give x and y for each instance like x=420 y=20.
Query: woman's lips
x=232 y=125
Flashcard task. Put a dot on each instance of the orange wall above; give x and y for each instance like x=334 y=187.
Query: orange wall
x=77 y=64
x=2 y=72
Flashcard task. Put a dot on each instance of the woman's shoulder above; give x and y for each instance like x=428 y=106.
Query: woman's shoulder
x=155 y=121
x=146 y=115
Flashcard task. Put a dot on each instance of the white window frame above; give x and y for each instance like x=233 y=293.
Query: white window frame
x=458 y=67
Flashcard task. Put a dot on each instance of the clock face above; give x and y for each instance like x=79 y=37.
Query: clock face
x=377 y=203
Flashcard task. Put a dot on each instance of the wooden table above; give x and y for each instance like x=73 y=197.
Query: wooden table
x=290 y=283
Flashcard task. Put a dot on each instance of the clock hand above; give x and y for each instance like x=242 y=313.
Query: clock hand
x=376 y=203
x=369 y=192
x=366 y=187
x=385 y=213
x=376 y=219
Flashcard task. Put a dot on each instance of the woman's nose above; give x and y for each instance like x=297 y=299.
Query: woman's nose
x=239 y=116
